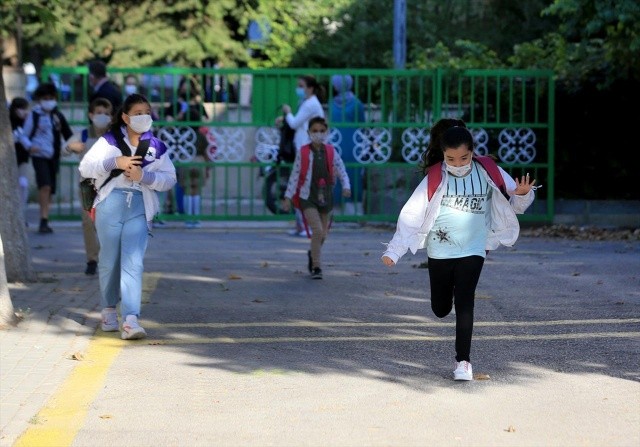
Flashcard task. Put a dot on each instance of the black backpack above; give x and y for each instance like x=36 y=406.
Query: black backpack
x=287 y=148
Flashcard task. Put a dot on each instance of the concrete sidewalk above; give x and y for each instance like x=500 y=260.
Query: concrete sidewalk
x=244 y=349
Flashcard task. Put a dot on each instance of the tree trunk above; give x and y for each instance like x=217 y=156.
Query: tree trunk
x=7 y=315
x=12 y=223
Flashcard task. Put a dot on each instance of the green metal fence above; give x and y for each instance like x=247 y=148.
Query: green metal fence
x=510 y=112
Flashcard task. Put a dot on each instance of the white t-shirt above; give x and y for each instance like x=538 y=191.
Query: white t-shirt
x=460 y=229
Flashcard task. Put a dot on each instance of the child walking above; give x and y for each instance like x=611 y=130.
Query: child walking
x=310 y=188
x=125 y=207
x=18 y=112
x=100 y=114
x=464 y=206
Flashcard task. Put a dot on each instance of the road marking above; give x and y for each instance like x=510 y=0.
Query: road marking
x=320 y=324
x=384 y=338
x=64 y=414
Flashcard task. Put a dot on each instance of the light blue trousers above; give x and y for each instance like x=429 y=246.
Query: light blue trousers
x=123 y=233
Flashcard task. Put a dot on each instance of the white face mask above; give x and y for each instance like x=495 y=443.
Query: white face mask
x=101 y=120
x=130 y=89
x=318 y=137
x=140 y=123
x=458 y=171
x=48 y=104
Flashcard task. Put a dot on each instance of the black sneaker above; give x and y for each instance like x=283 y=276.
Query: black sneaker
x=310 y=262
x=317 y=273
x=92 y=266
x=45 y=229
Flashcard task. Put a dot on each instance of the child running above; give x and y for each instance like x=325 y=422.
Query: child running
x=470 y=210
x=310 y=188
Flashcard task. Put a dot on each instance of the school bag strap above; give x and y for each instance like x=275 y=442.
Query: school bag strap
x=434 y=175
x=304 y=168
x=141 y=150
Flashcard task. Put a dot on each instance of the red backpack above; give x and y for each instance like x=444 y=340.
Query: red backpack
x=434 y=174
x=304 y=167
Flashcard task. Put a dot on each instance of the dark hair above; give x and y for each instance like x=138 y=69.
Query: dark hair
x=128 y=103
x=434 y=153
x=17 y=103
x=311 y=81
x=45 y=89
x=98 y=68
x=455 y=137
x=316 y=120
x=100 y=102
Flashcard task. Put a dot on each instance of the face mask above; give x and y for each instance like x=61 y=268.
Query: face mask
x=318 y=137
x=48 y=105
x=300 y=92
x=130 y=89
x=140 y=123
x=101 y=120
x=459 y=171
x=22 y=113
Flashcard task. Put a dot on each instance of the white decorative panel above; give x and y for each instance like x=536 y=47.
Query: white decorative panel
x=228 y=142
x=415 y=141
x=372 y=145
x=267 y=144
x=517 y=146
x=180 y=141
x=335 y=139
x=481 y=141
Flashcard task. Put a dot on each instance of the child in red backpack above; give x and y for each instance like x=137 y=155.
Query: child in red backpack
x=471 y=209
x=310 y=188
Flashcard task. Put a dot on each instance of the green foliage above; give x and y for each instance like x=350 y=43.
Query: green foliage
x=463 y=55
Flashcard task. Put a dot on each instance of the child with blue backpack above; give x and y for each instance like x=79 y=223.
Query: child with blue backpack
x=465 y=206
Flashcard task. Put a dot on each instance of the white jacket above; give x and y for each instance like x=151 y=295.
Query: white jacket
x=159 y=174
x=310 y=108
x=418 y=216
x=339 y=171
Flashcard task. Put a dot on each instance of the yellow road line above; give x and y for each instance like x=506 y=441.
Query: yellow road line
x=64 y=414
x=384 y=338
x=385 y=324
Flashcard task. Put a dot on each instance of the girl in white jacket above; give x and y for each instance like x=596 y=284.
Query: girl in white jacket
x=125 y=207
x=466 y=215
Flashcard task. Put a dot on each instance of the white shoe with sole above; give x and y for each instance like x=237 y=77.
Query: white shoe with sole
x=131 y=330
x=463 y=371
x=109 y=321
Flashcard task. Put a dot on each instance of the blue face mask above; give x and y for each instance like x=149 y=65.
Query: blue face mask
x=300 y=92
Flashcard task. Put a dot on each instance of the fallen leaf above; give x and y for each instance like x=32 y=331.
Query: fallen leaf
x=510 y=429
x=388 y=294
x=575 y=274
x=356 y=274
x=77 y=356
x=234 y=276
x=265 y=264
x=599 y=281
x=257 y=301
x=481 y=377
x=155 y=343
x=105 y=416
x=206 y=269
x=224 y=287
x=366 y=253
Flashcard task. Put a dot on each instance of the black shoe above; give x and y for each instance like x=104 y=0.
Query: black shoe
x=45 y=229
x=316 y=274
x=92 y=266
x=310 y=263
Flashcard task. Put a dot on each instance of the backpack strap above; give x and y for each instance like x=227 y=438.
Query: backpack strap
x=493 y=170
x=35 y=116
x=434 y=175
x=141 y=150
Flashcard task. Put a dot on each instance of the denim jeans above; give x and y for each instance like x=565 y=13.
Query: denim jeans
x=122 y=231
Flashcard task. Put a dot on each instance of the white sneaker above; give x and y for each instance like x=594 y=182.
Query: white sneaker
x=463 y=371
x=131 y=330
x=109 y=321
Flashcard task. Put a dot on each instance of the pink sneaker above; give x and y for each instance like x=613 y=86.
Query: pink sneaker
x=109 y=321
x=463 y=371
x=131 y=330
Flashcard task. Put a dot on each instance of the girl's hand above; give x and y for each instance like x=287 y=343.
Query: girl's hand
x=76 y=147
x=279 y=120
x=346 y=193
x=133 y=173
x=286 y=109
x=126 y=163
x=286 y=205
x=524 y=186
x=386 y=260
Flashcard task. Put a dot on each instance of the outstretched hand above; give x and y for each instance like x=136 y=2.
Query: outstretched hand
x=524 y=185
x=386 y=260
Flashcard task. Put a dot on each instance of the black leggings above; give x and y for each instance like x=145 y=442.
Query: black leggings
x=456 y=277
